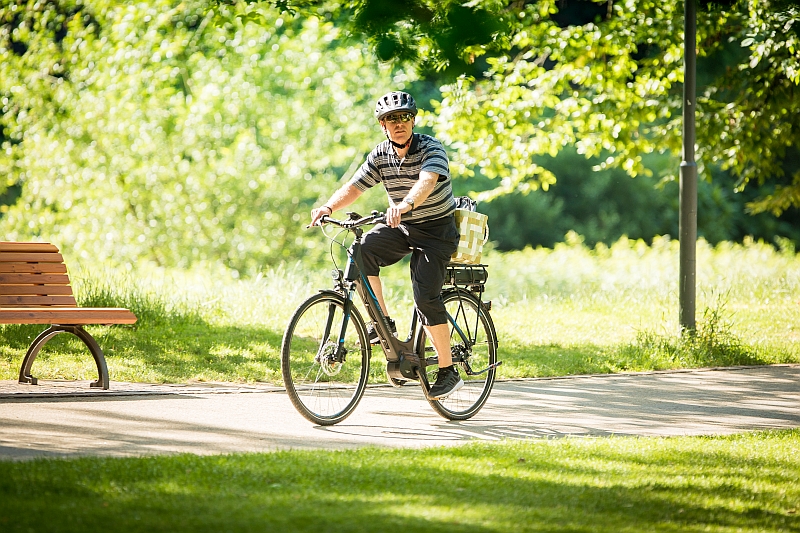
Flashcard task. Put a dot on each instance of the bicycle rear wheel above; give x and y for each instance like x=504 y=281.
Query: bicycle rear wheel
x=324 y=382
x=473 y=343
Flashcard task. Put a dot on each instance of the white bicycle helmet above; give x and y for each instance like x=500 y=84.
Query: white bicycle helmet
x=395 y=101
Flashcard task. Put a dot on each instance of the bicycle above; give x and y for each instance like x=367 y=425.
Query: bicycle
x=325 y=352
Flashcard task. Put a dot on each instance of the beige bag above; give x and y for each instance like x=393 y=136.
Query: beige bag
x=473 y=229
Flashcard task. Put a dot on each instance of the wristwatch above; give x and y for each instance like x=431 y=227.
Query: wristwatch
x=409 y=201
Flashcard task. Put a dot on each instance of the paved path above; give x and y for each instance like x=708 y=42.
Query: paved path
x=66 y=419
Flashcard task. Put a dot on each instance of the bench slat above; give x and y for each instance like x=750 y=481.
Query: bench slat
x=33 y=257
x=27 y=278
x=36 y=290
x=6 y=246
x=33 y=301
x=50 y=268
x=67 y=316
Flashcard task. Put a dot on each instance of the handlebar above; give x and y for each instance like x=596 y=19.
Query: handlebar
x=354 y=220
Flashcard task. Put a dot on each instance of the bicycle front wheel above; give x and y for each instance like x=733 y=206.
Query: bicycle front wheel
x=473 y=344
x=325 y=379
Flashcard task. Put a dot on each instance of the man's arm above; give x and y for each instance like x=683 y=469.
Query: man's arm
x=418 y=194
x=346 y=195
x=423 y=188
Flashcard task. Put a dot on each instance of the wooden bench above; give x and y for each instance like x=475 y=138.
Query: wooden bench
x=35 y=289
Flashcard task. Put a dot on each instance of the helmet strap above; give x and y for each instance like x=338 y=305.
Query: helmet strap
x=400 y=146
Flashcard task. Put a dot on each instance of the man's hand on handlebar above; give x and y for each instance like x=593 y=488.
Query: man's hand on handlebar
x=394 y=213
x=318 y=213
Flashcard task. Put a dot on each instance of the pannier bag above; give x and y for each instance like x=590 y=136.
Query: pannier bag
x=473 y=229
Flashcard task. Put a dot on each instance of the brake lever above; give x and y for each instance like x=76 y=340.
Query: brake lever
x=321 y=220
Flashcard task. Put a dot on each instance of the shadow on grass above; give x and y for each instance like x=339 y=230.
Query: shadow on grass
x=646 y=353
x=159 y=353
x=602 y=486
x=185 y=349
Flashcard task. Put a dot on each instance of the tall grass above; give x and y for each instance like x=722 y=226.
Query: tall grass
x=713 y=343
x=152 y=302
x=610 y=295
x=571 y=309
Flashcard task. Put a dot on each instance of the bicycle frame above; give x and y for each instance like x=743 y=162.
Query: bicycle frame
x=352 y=281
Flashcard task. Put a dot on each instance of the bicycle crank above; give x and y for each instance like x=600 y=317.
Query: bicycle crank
x=404 y=369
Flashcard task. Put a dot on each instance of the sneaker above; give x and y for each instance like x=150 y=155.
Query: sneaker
x=447 y=382
x=372 y=332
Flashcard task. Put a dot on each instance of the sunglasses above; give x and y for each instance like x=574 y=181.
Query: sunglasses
x=399 y=117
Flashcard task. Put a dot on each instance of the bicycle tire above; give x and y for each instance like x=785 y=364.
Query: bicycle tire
x=475 y=322
x=322 y=390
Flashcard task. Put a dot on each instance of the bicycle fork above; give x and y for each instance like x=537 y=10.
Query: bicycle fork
x=344 y=282
x=332 y=353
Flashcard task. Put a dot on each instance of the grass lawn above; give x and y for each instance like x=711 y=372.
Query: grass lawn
x=738 y=483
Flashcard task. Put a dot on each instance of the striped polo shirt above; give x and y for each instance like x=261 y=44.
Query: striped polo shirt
x=398 y=176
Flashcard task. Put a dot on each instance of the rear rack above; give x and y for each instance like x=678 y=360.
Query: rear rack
x=471 y=276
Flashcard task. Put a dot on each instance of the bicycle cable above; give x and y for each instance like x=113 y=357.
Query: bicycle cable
x=333 y=241
x=342 y=243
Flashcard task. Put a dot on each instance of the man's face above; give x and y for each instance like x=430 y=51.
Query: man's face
x=398 y=126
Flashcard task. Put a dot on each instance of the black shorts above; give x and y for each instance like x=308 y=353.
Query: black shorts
x=430 y=244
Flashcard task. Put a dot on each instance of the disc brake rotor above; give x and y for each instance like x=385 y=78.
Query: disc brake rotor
x=327 y=359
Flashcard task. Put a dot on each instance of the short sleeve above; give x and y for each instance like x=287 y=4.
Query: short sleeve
x=367 y=175
x=435 y=160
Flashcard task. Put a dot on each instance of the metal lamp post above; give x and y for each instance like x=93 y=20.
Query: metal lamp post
x=688 y=178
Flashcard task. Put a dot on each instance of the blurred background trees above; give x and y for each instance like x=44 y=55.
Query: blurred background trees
x=161 y=131
x=204 y=130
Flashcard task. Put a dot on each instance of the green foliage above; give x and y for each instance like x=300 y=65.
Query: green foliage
x=606 y=77
x=612 y=88
x=441 y=37
x=159 y=131
x=186 y=133
x=603 y=205
x=600 y=206
x=567 y=86
x=752 y=114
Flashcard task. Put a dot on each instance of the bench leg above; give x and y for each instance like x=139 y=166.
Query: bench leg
x=82 y=334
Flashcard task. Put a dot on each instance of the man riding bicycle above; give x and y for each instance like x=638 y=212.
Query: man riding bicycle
x=415 y=173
